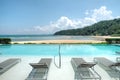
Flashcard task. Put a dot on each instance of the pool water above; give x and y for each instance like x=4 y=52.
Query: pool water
x=53 y=50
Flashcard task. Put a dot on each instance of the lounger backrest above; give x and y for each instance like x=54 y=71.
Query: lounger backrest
x=43 y=63
x=46 y=61
x=105 y=62
x=8 y=62
x=77 y=62
x=80 y=62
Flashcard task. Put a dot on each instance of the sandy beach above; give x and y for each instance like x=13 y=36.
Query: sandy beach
x=21 y=70
x=99 y=39
x=58 y=41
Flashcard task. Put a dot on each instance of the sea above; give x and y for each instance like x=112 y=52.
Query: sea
x=46 y=37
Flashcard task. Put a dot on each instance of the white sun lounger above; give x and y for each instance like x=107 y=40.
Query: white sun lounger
x=109 y=66
x=40 y=69
x=84 y=70
x=7 y=64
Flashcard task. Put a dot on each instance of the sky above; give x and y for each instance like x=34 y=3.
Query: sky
x=49 y=16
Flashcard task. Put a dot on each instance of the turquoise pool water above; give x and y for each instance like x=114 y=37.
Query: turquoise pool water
x=53 y=49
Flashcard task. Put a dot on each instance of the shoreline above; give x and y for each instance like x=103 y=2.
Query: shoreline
x=99 y=40
x=59 y=42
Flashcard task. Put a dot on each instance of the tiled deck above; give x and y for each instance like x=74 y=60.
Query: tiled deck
x=22 y=69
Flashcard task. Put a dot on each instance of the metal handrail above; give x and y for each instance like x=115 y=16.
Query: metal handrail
x=58 y=66
x=118 y=59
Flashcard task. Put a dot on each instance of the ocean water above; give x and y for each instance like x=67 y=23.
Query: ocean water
x=53 y=50
x=46 y=37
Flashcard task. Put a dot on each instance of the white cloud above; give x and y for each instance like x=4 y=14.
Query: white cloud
x=102 y=14
x=99 y=14
x=117 y=17
x=64 y=22
x=87 y=12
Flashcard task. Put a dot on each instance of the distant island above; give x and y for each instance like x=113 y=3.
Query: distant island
x=102 y=28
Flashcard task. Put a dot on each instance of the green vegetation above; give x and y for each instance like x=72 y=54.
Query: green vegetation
x=113 y=40
x=5 y=40
x=102 y=28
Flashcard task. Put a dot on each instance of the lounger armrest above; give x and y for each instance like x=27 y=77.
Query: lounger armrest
x=116 y=64
x=88 y=64
x=1 y=68
x=39 y=65
x=118 y=59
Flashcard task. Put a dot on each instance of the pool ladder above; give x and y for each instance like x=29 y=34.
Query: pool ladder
x=58 y=66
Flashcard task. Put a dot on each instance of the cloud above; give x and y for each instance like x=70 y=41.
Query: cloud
x=63 y=23
x=102 y=14
x=97 y=15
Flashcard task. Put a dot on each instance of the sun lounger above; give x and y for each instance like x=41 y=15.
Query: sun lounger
x=40 y=69
x=109 y=66
x=106 y=63
x=84 y=70
x=7 y=64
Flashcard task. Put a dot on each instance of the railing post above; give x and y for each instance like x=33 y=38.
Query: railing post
x=59 y=54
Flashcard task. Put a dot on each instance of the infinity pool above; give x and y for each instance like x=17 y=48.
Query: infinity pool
x=53 y=50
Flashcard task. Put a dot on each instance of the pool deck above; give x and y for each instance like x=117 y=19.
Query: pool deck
x=22 y=69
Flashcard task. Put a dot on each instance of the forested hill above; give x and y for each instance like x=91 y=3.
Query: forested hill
x=102 y=28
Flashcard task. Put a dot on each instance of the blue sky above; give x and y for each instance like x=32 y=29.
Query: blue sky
x=49 y=16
